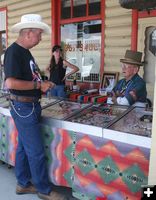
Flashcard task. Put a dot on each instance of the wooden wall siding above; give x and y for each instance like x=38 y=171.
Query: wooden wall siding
x=2 y=4
x=117 y=34
x=16 y=9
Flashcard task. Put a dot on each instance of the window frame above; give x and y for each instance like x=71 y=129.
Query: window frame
x=57 y=22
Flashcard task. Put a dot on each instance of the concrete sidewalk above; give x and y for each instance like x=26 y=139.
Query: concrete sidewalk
x=8 y=185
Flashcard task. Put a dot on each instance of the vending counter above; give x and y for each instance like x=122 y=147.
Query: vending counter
x=115 y=165
x=88 y=148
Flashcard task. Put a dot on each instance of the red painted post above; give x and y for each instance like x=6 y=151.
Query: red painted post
x=134 y=34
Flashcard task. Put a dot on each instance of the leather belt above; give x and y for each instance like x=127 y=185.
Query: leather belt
x=24 y=98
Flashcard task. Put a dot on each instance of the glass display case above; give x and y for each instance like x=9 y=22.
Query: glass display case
x=137 y=121
x=100 y=115
x=4 y=104
x=4 y=100
x=63 y=109
x=46 y=101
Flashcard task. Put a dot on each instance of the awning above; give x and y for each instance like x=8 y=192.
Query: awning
x=138 y=4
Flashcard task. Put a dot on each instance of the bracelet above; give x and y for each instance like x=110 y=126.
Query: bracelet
x=35 y=85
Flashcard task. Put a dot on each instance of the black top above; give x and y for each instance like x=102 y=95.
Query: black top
x=57 y=73
x=20 y=64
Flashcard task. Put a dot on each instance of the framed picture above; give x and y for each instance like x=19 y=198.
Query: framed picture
x=109 y=79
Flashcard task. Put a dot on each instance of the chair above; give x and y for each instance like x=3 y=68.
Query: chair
x=148 y=103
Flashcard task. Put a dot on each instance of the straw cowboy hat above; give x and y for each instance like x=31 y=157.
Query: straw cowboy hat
x=31 y=21
x=132 y=57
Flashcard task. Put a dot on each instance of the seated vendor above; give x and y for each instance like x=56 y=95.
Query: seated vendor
x=131 y=90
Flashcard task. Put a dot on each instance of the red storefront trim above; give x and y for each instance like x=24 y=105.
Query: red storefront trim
x=145 y=14
x=135 y=16
x=102 y=38
x=55 y=13
x=134 y=34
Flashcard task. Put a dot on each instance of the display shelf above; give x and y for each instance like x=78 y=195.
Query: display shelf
x=46 y=102
x=4 y=100
x=115 y=162
x=100 y=115
x=137 y=121
x=63 y=109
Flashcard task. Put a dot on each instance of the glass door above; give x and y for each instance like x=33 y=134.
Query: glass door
x=82 y=46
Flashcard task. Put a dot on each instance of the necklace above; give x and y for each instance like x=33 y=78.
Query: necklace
x=125 y=85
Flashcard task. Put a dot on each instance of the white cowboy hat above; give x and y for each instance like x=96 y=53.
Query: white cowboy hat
x=31 y=21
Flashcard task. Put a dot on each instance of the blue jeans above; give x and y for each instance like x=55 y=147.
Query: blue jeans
x=30 y=160
x=58 y=91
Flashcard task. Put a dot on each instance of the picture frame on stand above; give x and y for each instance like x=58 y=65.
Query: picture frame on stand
x=109 y=80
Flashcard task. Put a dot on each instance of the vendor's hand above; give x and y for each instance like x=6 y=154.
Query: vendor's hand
x=46 y=85
x=113 y=96
x=114 y=99
x=113 y=93
x=133 y=94
x=117 y=94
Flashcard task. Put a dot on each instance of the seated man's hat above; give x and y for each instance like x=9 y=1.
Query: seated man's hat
x=132 y=57
x=31 y=21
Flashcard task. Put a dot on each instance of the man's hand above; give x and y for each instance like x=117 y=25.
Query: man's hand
x=133 y=94
x=46 y=85
x=114 y=99
x=114 y=96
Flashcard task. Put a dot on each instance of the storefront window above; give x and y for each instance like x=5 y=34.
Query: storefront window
x=65 y=9
x=82 y=46
x=94 y=7
x=77 y=8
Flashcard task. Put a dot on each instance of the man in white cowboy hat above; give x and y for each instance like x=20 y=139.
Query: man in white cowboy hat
x=25 y=85
x=132 y=88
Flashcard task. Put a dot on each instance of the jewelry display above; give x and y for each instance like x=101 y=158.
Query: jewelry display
x=138 y=121
x=98 y=115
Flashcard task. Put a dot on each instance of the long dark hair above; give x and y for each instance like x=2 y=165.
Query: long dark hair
x=52 y=61
x=53 y=64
